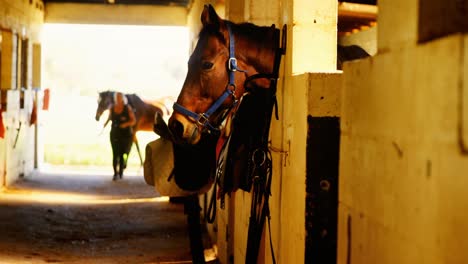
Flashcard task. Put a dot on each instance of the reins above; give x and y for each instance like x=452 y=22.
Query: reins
x=262 y=166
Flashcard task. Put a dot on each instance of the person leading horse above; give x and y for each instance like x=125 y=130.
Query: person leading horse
x=144 y=112
x=121 y=135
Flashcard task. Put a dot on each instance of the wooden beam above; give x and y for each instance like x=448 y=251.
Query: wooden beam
x=7 y=48
x=115 y=14
x=368 y=12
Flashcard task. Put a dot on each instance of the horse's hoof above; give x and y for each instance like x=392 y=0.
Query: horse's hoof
x=115 y=177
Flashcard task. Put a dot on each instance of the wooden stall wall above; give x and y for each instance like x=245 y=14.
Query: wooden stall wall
x=311 y=52
x=20 y=23
x=403 y=161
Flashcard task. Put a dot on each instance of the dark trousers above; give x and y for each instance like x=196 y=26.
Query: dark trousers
x=121 y=141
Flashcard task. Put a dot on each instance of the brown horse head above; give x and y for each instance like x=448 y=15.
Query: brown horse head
x=223 y=49
x=105 y=101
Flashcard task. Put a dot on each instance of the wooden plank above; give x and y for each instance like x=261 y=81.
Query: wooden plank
x=464 y=96
x=116 y=14
x=36 y=78
x=6 y=60
x=355 y=17
x=357 y=11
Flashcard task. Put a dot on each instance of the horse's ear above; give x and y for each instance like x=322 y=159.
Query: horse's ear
x=210 y=17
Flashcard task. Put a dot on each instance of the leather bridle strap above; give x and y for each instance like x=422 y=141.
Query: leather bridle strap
x=261 y=183
x=202 y=119
x=273 y=77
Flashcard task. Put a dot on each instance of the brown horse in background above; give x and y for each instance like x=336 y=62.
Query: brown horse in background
x=145 y=112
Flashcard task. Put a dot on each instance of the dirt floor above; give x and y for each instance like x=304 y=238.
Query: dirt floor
x=84 y=218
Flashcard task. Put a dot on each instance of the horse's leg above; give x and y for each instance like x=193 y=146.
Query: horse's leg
x=135 y=139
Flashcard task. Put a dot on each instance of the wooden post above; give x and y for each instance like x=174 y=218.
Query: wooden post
x=314 y=36
x=192 y=210
x=7 y=80
x=36 y=71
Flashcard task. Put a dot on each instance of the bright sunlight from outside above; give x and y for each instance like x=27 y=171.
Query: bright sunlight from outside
x=81 y=60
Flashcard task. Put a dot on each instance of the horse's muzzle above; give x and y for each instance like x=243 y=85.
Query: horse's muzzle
x=184 y=131
x=177 y=128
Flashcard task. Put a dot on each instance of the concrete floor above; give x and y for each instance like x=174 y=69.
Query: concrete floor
x=84 y=218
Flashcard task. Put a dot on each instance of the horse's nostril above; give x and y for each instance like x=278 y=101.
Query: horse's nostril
x=177 y=128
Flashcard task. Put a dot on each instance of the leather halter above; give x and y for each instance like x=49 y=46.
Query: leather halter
x=202 y=119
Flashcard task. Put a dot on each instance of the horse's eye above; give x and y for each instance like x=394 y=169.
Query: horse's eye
x=206 y=65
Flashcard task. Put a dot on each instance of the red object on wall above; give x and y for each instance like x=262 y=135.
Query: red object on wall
x=45 y=105
x=2 y=126
x=33 y=114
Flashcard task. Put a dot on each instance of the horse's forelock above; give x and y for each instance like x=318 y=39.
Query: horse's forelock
x=103 y=93
x=105 y=96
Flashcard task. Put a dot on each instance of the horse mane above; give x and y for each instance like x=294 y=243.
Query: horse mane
x=134 y=98
x=106 y=93
x=148 y=105
x=245 y=30
x=254 y=33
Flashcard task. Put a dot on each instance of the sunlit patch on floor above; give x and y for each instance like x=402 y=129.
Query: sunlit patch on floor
x=56 y=197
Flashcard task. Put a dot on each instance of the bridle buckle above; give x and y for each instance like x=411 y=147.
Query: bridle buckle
x=232 y=64
x=202 y=119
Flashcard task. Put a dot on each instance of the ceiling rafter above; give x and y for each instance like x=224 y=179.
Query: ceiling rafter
x=126 y=2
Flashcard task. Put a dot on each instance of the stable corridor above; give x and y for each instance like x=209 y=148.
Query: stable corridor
x=61 y=217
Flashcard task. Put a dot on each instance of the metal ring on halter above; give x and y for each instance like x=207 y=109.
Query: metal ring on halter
x=233 y=90
x=203 y=118
x=254 y=154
